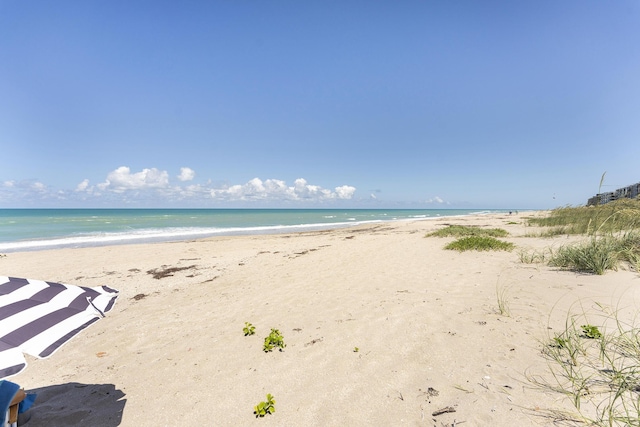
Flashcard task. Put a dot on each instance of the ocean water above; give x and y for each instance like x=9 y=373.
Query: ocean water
x=37 y=229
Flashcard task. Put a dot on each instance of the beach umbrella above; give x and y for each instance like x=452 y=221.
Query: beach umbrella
x=38 y=317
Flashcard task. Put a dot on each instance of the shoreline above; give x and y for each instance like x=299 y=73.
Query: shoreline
x=425 y=322
x=175 y=234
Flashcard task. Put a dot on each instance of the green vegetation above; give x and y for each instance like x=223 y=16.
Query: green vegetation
x=616 y=216
x=264 y=408
x=479 y=243
x=613 y=230
x=599 y=254
x=248 y=329
x=274 y=340
x=462 y=231
x=590 y=331
x=599 y=371
x=474 y=238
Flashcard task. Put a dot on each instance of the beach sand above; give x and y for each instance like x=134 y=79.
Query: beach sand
x=425 y=321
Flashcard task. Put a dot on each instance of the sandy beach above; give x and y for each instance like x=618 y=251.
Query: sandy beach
x=424 y=320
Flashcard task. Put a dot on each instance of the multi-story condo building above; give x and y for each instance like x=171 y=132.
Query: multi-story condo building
x=628 y=192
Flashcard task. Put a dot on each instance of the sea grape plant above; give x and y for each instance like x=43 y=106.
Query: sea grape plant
x=264 y=408
x=591 y=331
x=273 y=340
x=248 y=329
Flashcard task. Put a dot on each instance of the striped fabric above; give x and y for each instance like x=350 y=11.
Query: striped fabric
x=38 y=317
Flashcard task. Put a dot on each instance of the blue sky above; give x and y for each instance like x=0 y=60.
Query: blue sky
x=425 y=104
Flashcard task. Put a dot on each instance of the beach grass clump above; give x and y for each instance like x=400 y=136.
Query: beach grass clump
x=612 y=217
x=596 y=256
x=599 y=254
x=598 y=369
x=463 y=231
x=479 y=243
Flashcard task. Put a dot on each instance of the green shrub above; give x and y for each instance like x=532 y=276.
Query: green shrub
x=479 y=243
x=462 y=230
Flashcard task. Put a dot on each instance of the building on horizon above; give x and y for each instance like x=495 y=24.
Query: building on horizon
x=629 y=192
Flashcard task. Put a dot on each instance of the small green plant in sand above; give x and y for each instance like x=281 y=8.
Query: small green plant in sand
x=356 y=349
x=597 y=368
x=274 y=340
x=248 y=329
x=463 y=231
x=479 y=243
x=592 y=332
x=264 y=408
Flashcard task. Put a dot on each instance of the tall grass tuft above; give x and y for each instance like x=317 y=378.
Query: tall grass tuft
x=596 y=256
x=502 y=297
x=599 y=254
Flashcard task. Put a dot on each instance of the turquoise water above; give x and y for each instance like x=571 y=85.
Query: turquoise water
x=34 y=229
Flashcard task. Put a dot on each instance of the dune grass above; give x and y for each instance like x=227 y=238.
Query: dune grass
x=479 y=243
x=463 y=231
x=613 y=232
x=474 y=238
x=599 y=254
x=616 y=216
x=596 y=364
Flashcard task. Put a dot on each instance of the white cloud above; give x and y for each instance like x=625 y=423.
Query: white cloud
x=345 y=192
x=122 y=179
x=9 y=184
x=83 y=186
x=186 y=174
x=277 y=190
x=437 y=200
x=39 y=187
